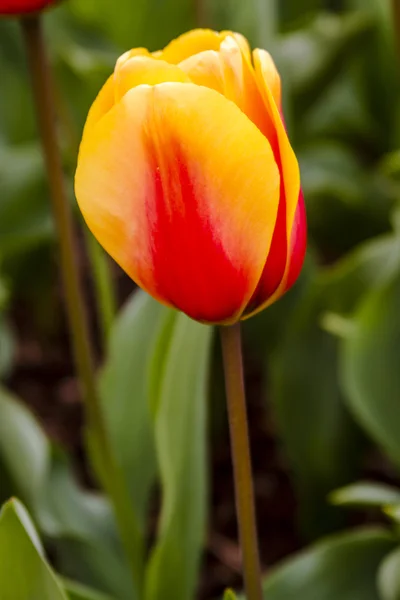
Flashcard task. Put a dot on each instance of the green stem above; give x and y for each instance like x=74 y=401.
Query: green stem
x=103 y=284
x=44 y=102
x=200 y=13
x=239 y=433
x=105 y=297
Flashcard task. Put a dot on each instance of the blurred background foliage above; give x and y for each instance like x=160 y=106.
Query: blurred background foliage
x=324 y=361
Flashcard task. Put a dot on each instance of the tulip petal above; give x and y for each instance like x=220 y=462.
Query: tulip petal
x=102 y=104
x=298 y=243
x=182 y=190
x=131 y=54
x=265 y=294
x=241 y=42
x=241 y=86
x=145 y=70
x=190 y=43
x=205 y=68
x=229 y=73
x=270 y=75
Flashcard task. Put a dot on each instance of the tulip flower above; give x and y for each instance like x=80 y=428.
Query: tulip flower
x=21 y=7
x=187 y=177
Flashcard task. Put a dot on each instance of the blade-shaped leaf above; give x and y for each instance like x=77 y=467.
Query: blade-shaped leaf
x=82 y=528
x=180 y=421
x=319 y=437
x=343 y=566
x=79 y=523
x=24 y=572
x=24 y=451
x=229 y=595
x=77 y=591
x=124 y=391
x=389 y=576
x=366 y=493
x=370 y=373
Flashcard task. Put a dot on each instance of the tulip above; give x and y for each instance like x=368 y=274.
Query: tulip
x=21 y=7
x=187 y=177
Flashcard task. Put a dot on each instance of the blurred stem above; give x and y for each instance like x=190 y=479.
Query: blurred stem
x=200 y=11
x=239 y=434
x=103 y=283
x=106 y=303
x=44 y=102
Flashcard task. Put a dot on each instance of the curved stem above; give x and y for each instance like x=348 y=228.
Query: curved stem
x=112 y=480
x=104 y=287
x=239 y=433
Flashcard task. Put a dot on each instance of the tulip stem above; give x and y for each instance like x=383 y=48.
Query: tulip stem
x=239 y=434
x=82 y=347
x=104 y=288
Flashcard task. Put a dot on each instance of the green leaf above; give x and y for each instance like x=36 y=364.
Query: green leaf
x=80 y=524
x=180 y=423
x=341 y=197
x=342 y=566
x=368 y=266
x=311 y=57
x=366 y=493
x=340 y=113
x=77 y=591
x=369 y=366
x=389 y=576
x=393 y=512
x=82 y=528
x=229 y=595
x=124 y=391
x=24 y=451
x=378 y=67
x=24 y=572
x=318 y=435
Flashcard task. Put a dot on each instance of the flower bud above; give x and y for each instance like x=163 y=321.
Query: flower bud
x=187 y=178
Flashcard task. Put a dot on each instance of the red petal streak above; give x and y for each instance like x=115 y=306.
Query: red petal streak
x=275 y=266
x=14 y=7
x=189 y=265
x=298 y=242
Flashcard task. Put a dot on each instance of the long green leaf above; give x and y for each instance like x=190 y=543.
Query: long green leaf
x=24 y=451
x=79 y=523
x=370 y=373
x=339 y=567
x=180 y=422
x=77 y=591
x=389 y=576
x=318 y=435
x=366 y=493
x=124 y=390
x=24 y=572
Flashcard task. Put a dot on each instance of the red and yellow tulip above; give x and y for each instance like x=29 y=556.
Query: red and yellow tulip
x=20 y=7
x=187 y=178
